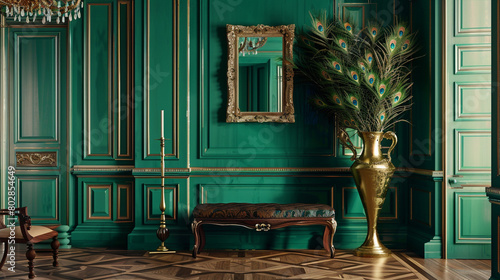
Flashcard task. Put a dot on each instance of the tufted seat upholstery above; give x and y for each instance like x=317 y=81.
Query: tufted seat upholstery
x=262 y=211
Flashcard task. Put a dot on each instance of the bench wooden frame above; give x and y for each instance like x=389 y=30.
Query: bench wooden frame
x=265 y=225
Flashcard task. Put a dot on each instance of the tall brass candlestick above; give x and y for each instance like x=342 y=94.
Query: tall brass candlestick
x=162 y=233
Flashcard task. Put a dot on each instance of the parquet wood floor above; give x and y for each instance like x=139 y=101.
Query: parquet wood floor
x=243 y=265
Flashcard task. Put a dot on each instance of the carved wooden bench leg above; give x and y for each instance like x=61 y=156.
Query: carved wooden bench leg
x=328 y=237
x=195 y=226
x=202 y=238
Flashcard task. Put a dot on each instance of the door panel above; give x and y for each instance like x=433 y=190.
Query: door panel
x=37 y=61
x=468 y=128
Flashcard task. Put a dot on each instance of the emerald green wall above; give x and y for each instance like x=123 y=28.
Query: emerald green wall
x=130 y=59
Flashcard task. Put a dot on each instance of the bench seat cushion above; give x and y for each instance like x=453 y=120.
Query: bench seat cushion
x=262 y=211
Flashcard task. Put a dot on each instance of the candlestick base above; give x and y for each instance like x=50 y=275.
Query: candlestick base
x=164 y=250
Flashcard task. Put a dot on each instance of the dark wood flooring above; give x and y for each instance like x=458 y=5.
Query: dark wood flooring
x=243 y=265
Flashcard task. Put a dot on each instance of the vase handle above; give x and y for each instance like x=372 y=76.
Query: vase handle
x=346 y=141
x=391 y=136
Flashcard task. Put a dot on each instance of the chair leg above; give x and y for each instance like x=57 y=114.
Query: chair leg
x=5 y=251
x=31 y=255
x=55 y=251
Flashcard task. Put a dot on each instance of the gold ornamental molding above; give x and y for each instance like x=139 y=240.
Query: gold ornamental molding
x=102 y=168
x=38 y=159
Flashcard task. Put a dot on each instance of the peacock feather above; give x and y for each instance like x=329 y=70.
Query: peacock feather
x=361 y=76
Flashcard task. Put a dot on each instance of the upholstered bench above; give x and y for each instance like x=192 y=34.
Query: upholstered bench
x=263 y=217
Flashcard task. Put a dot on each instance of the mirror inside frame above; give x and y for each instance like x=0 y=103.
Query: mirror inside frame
x=259 y=76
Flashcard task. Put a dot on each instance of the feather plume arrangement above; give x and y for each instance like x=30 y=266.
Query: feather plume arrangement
x=361 y=75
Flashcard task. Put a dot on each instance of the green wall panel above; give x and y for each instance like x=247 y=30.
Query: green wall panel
x=352 y=207
x=264 y=193
x=421 y=206
x=471 y=59
x=424 y=211
x=469 y=223
x=98 y=94
x=104 y=212
x=125 y=202
x=161 y=91
x=125 y=105
x=473 y=151
x=471 y=19
x=37 y=87
x=40 y=195
x=99 y=202
x=152 y=196
x=472 y=101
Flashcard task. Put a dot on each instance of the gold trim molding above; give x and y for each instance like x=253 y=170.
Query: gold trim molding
x=102 y=168
x=38 y=159
x=109 y=187
x=233 y=113
x=129 y=191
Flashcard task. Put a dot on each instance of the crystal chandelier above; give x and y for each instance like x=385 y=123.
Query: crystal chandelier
x=250 y=45
x=28 y=10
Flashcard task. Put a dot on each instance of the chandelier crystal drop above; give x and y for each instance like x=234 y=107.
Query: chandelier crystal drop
x=250 y=45
x=29 y=9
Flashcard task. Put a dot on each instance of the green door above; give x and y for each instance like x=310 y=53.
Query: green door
x=38 y=132
x=467 y=128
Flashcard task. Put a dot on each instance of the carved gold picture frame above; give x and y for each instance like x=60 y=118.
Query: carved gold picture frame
x=234 y=114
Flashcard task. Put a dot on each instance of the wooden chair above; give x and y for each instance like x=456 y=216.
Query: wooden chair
x=26 y=233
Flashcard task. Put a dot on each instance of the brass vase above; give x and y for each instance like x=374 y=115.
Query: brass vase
x=372 y=173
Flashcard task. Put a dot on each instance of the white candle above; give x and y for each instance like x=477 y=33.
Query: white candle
x=161 y=123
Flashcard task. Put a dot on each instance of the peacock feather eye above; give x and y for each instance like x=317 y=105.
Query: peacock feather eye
x=343 y=44
x=354 y=75
x=354 y=101
x=406 y=44
x=371 y=79
x=346 y=122
x=319 y=26
x=362 y=66
x=337 y=66
x=374 y=31
x=337 y=99
x=382 y=117
x=381 y=89
x=397 y=97
x=401 y=31
x=348 y=27
x=305 y=40
x=369 y=57
x=325 y=75
x=392 y=44
x=319 y=102
x=353 y=123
